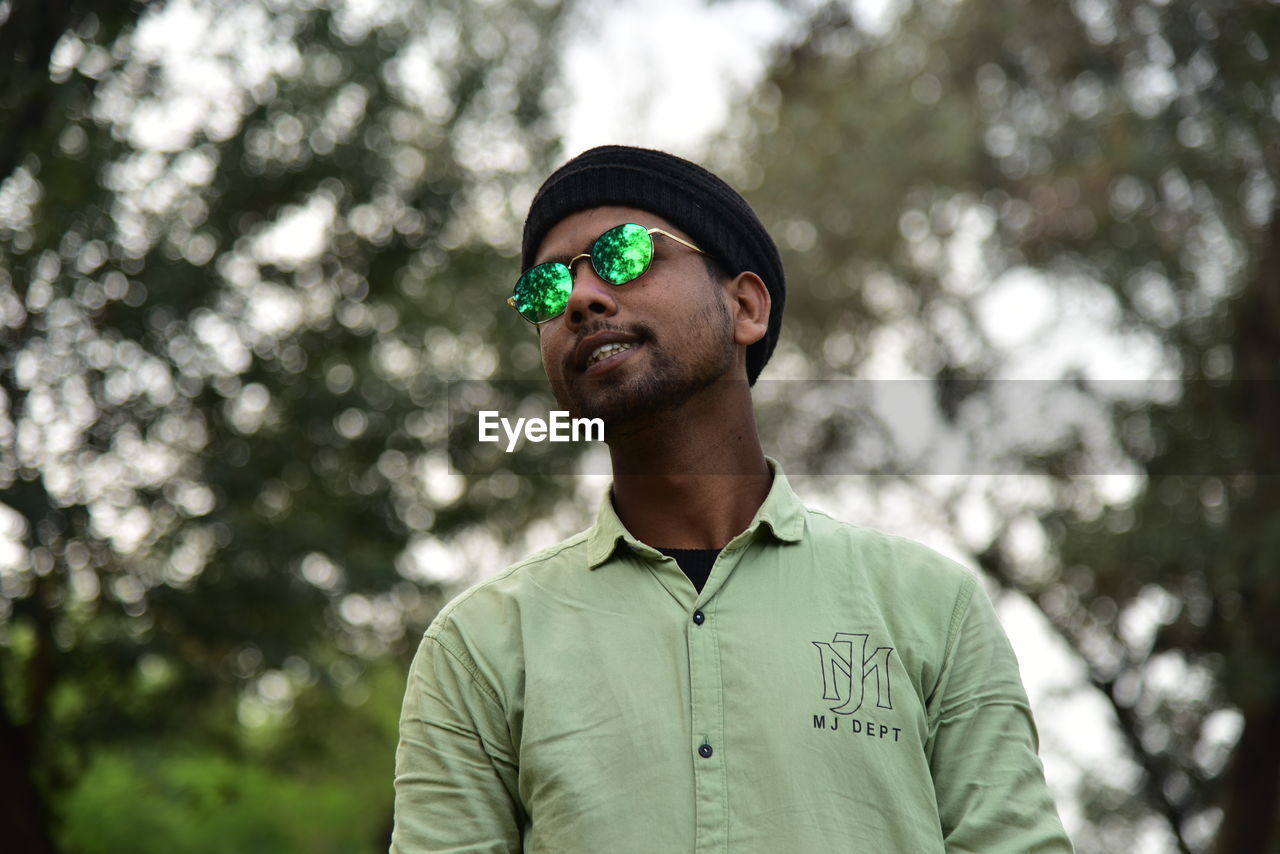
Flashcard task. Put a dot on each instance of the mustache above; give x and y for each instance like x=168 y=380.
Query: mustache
x=641 y=331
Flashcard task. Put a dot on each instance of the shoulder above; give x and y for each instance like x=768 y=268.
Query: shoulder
x=889 y=555
x=482 y=630
x=498 y=600
x=906 y=578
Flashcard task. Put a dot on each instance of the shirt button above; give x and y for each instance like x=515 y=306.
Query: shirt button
x=699 y=618
x=705 y=751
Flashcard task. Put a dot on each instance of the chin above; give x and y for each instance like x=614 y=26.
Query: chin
x=631 y=404
x=640 y=392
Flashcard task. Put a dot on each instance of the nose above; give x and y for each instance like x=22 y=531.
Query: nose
x=591 y=296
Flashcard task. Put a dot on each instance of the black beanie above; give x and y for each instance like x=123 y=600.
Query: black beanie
x=697 y=202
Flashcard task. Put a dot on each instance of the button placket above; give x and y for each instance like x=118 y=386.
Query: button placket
x=706 y=716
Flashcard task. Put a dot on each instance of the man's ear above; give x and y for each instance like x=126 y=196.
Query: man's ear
x=749 y=304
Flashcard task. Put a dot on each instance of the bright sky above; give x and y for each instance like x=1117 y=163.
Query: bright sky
x=663 y=73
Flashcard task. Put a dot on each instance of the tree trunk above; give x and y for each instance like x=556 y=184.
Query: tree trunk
x=1251 y=786
x=24 y=815
x=25 y=818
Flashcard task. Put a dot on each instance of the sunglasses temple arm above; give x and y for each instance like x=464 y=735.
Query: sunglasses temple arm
x=679 y=240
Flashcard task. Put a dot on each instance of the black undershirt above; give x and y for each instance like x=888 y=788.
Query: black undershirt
x=696 y=563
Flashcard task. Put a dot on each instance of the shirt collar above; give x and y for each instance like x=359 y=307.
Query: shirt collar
x=781 y=512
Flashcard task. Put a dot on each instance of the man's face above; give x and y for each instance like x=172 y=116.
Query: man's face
x=623 y=352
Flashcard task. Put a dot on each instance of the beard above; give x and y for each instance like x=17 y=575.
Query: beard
x=629 y=399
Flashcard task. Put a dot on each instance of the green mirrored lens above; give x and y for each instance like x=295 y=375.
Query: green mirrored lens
x=543 y=291
x=623 y=253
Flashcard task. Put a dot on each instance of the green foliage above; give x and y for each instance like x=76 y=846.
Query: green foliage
x=243 y=249
x=315 y=778
x=207 y=803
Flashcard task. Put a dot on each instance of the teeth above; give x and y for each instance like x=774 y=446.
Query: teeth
x=605 y=351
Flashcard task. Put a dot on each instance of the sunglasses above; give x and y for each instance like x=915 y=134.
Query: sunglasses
x=620 y=255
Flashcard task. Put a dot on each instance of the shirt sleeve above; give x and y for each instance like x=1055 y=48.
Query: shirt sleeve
x=456 y=772
x=992 y=796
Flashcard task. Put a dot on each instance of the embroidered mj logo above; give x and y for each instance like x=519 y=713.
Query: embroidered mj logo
x=840 y=665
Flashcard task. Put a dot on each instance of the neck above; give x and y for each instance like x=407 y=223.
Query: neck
x=693 y=478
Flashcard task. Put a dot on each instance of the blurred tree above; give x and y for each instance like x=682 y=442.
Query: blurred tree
x=1114 y=158
x=240 y=245
x=320 y=785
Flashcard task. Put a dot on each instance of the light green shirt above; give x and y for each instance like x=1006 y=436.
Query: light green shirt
x=832 y=688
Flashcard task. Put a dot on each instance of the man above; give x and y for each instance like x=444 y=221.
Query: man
x=712 y=666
